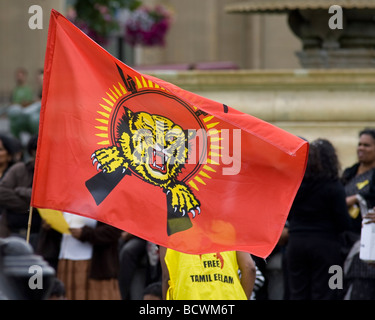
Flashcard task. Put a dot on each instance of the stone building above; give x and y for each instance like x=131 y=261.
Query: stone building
x=257 y=56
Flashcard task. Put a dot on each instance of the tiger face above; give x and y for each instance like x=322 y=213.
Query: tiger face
x=155 y=149
x=154 y=146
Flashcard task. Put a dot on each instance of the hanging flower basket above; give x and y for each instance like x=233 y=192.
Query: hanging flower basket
x=97 y=18
x=147 y=26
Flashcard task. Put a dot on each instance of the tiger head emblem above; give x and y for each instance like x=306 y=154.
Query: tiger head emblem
x=155 y=149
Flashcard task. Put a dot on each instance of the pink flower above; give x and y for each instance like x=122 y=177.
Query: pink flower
x=147 y=26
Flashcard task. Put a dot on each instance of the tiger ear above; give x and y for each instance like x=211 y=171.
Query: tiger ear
x=128 y=112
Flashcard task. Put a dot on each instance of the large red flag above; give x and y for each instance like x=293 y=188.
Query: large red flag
x=155 y=160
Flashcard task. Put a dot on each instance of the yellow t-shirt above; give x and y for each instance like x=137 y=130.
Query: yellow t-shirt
x=212 y=276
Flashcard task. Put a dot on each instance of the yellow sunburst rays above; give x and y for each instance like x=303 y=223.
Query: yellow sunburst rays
x=142 y=83
x=214 y=153
x=112 y=95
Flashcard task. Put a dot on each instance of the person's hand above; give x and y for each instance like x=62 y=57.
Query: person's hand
x=370 y=217
x=46 y=226
x=351 y=200
x=76 y=232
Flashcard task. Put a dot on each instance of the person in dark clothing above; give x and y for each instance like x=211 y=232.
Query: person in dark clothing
x=15 y=197
x=10 y=148
x=359 y=180
x=317 y=217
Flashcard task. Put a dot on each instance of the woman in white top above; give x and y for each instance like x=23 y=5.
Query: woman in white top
x=88 y=260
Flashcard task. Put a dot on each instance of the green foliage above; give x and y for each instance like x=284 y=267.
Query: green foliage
x=98 y=15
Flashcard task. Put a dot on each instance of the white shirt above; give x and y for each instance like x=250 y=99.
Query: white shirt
x=72 y=248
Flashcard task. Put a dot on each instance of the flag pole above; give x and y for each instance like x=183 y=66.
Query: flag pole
x=29 y=224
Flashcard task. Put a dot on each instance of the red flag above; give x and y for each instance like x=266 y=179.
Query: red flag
x=157 y=161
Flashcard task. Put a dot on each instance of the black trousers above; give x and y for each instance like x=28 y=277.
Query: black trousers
x=308 y=259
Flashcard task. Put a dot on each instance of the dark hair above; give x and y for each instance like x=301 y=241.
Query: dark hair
x=7 y=143
x=154 y=288
x=32 y=144
x=368 y=131
x=58 y=289
x=11 y=145
x=323 y=162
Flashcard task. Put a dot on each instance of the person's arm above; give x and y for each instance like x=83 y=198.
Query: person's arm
x=351 y=200
x=101 y=234
x=164 y=272
x=248 y=272
x=370 y=217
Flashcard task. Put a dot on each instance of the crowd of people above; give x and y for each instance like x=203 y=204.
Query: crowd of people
x=99 y=261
